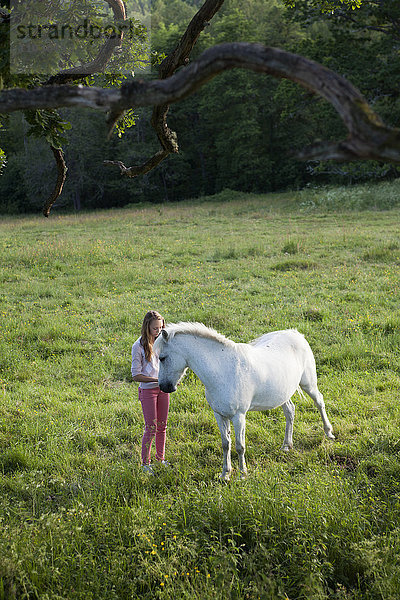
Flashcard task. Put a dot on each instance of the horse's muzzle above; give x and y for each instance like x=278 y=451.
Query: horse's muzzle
x=167 y=387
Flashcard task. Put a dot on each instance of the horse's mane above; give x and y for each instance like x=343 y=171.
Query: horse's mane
x=195 y=329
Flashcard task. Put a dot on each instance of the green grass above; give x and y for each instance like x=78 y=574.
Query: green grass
x=78 y=518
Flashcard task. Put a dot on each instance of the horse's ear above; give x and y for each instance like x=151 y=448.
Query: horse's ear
x=164 y=334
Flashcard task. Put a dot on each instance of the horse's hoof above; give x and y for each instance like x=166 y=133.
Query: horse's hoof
x=330 y=435
x=224 y=478
x=286 y=448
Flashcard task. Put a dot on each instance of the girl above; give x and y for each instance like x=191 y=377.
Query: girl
x=155 y=403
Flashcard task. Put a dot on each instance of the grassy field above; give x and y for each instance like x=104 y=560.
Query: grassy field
x=78 y=519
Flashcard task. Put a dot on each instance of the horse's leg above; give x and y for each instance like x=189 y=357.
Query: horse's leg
x=239 y=423
x=225 y=429
x=308 y=383
x=318 y=398
x=288 y=410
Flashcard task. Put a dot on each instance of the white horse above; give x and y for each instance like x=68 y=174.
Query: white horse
x=240 y=377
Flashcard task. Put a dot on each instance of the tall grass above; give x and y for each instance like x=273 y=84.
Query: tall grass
x=378 y=196
x=79 y=519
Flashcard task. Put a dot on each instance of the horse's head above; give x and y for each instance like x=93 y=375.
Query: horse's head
x=172 y=364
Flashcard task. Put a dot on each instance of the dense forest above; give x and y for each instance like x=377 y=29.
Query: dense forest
x=239 y=132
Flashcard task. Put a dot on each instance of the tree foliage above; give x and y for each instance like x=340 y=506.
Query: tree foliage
x=241 y=131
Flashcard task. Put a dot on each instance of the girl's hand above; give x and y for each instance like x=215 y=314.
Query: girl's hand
x=144 y=379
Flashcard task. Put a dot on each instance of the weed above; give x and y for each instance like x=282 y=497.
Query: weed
x=293 y=265
x=383 y=253
x=291 y=247
x=313 y=314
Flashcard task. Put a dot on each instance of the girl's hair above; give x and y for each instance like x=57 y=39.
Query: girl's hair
x=145 y=339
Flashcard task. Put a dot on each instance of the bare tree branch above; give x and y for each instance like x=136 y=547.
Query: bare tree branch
x=104 y=56
x=142 y=169
x=177 y=58
x=68 y=75
x=50 y=96
x=61 y=175
x=368 y=137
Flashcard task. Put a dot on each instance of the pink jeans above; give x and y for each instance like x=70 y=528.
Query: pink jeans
x=155 y=404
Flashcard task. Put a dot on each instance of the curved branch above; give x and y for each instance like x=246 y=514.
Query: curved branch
x=95 y=66
x=177 y=58
x=368 y=137
x=61 y=175
x=141 y=169
x=102 y=59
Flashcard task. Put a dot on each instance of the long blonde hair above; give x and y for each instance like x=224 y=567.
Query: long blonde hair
x=145 y=339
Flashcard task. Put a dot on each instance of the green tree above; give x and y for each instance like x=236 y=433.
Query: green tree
x=359 y=40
